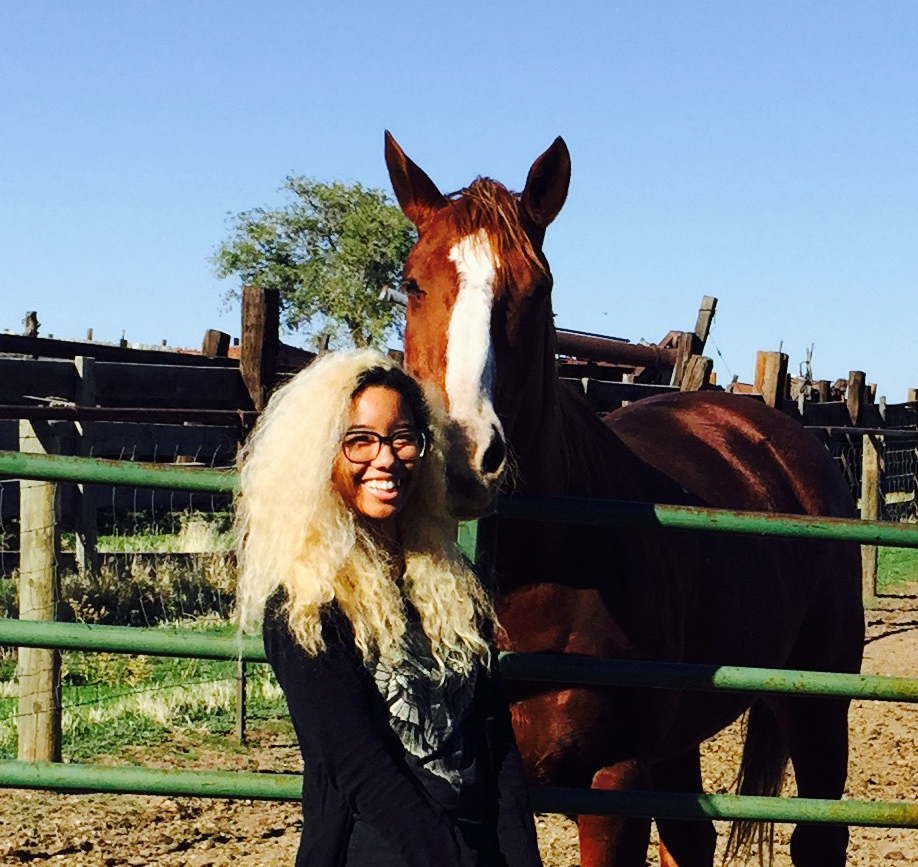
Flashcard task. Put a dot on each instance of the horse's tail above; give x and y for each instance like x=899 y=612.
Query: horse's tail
x=761 y=772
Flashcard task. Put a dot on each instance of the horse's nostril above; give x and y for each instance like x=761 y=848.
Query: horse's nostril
x=494 y=454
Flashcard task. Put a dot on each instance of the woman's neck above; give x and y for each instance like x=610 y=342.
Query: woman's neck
x=387 y=537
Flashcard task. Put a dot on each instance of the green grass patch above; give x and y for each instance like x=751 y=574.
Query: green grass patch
x=896 y=568
x=113 y=701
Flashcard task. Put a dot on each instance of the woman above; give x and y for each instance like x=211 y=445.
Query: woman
x=376 y=628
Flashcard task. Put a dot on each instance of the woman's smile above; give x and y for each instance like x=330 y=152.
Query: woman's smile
x=386 y=488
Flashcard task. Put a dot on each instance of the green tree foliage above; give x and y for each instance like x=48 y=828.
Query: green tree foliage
x=330 y=251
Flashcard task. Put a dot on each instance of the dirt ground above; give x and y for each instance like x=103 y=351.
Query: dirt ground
x=110 y=831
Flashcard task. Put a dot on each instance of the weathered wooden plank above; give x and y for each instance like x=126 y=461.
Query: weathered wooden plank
x=243 y=418
x=43 y=378
x=901 y=415
x=871 y=415
x=169 y=386
x=830 y=414
x=61 y=431
x=292 y=359
x=44 y=347
x=125 y=385
x=608 y=396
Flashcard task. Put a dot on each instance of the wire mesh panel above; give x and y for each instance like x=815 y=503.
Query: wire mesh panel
x=162 y=557
x=898 y=481
x=896 y=568
x=848 y=454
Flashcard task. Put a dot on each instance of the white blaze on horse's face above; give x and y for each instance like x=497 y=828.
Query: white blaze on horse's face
x=469 y=380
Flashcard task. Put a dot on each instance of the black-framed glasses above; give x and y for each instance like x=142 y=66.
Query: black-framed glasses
x=363 y=446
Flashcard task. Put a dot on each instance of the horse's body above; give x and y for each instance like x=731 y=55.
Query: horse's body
x=480 y=330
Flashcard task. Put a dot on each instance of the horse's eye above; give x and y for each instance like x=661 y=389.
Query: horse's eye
x=410 y=287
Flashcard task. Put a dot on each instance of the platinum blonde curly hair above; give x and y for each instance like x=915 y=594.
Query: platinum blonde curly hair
x=295 y=532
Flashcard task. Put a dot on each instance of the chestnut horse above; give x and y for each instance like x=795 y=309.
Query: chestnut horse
x=480 y=332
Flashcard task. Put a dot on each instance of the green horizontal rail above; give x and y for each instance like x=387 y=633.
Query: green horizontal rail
x=542 y=667
x=573 y=510
x=149 y=641
x=76 y=778
x=606 y=513
x=97 y=471
x=594 y=671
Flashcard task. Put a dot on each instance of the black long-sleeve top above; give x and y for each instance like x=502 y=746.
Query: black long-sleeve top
x=356 y=768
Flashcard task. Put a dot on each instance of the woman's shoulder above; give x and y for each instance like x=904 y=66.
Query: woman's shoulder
x=336 y=628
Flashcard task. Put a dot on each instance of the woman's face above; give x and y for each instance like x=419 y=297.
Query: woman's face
x=379 y=489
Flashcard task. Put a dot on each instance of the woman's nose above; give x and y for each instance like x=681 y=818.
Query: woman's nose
x=386 y=456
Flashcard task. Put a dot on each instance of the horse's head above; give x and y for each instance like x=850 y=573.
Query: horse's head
x=478 y=290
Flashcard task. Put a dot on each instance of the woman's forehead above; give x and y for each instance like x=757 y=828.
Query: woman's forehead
x=380 y=406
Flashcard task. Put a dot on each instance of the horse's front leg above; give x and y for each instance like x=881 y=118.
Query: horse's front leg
x=612 y=841
x=684 y=843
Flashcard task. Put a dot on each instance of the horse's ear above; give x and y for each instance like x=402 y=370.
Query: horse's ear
x=417 y=194
x=547 y=183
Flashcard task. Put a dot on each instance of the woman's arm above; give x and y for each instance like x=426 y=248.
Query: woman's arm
x=338 y=728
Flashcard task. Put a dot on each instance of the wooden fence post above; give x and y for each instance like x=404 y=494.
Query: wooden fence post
x=854 y=396
x=771 y=376
x=215 y=344
x=697 y=374
x=703 y=322
x=260 y=341
x=821 y=389
x=684 y=343
x=39 y=670
x=870 y=511
x=86 y=525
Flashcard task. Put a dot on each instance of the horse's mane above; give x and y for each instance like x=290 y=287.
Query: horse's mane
x=487 y=204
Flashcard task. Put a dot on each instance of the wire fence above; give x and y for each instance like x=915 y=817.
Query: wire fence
x=161 y=557
x=898 y=473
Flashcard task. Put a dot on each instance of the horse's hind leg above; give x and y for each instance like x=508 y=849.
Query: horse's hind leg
x=683 y=843
x=816 y=731
x=611 y=841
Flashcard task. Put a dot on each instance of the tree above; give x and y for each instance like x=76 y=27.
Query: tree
x=330 y=251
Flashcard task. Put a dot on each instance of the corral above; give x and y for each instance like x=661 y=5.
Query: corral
x=550 y=830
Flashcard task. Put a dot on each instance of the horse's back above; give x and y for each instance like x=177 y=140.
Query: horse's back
x=732 y=451
x=729 y=451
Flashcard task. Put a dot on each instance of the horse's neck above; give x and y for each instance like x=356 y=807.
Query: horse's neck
x=557 y=438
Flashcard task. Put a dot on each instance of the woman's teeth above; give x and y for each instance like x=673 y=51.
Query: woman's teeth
x=383 y=484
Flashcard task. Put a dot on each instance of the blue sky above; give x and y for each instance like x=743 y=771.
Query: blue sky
x=764 y=153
